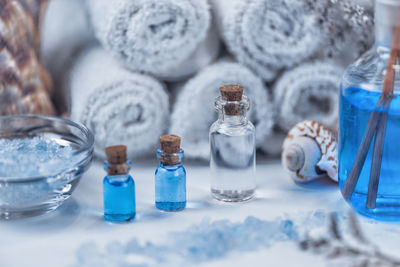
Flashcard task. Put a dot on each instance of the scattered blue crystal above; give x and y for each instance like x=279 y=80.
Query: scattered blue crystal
x=32 y=157
x=201 y=242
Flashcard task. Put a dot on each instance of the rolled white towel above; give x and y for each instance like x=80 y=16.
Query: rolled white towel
x=193 y=111
x=267 y=35
x=347 y=27
x=308 y=92
x=119 y=106
x=65 y=29
x=170 y=38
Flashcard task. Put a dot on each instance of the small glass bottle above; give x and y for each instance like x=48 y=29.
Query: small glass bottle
x=373 y=195
x=170 y=177
x=232 y=142
x=118 y=186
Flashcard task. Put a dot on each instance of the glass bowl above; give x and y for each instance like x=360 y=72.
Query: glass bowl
x=30 y=196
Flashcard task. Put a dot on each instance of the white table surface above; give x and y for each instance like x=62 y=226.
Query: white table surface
x=53 y=239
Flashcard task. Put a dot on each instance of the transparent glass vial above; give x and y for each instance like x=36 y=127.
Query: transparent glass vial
x=361 y=88
x=170 y=182
x=233 y=157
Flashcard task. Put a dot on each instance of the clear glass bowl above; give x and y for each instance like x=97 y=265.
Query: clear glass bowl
x=30 y=196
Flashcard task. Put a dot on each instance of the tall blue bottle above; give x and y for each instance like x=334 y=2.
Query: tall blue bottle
x=170 y=177
x=118 y=186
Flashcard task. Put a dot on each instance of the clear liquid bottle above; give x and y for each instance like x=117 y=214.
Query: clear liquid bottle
x=170 y=177
x=232 y=144
x=118 y=186
x=361 y=87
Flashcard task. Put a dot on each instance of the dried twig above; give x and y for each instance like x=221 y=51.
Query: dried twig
x=376 y=162
x=356 y=230
x=352 y=179
x=334 y=227
x=363 y=253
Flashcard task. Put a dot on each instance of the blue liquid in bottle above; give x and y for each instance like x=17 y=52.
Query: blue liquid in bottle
x=356 y=106
x=170 y=183
x=119 y=197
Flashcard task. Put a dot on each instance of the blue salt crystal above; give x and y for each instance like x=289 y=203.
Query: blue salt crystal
x=287 y=228
x=153 y=250
x=206 y=241
x=133 y=246
x=157 y=253
x=115 y=247
x=37 y=156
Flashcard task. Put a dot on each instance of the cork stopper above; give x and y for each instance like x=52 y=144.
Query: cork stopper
x=116 y=154
x=231 y=92
x=117 y=169
x=170 y=144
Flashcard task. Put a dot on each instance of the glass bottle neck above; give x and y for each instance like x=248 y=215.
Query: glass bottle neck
x=232 y=112
x=387 y=19
x=117 y=169
x=170 y=160
x=170 y=165
x=232 y=119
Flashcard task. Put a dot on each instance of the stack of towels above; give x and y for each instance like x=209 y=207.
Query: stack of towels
x=132 y=70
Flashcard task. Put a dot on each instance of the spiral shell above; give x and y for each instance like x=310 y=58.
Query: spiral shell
x=25 y=85
x=310 y=151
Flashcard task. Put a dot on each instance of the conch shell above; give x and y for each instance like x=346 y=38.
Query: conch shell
x=310 y=152
x=24 y=83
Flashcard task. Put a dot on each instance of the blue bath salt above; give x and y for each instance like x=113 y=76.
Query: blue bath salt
x=356 y=106
x=119 y=198
x=170 y=183
x=33 y=157
x=203 y=242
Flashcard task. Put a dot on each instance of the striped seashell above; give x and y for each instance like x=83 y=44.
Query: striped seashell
x=310 y=152
x=25 y=84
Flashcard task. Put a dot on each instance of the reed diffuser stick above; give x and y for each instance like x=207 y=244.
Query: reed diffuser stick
x=352 y=179
x=376 y=120
x=388 y=89
x=376 y=162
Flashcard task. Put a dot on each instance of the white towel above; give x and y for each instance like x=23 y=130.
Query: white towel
x=267 y=35
x=65 y=29
x=193 y=111
x=367 y=4
x=168 y=38
x=347 y=27
x=119 y=106
x=308 y=92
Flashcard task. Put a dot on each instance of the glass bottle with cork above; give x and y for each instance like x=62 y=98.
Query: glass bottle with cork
x=232 y=144
x=170 y=176
x=118 y=186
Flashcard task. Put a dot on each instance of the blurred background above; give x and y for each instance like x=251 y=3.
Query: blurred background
x=134 y=70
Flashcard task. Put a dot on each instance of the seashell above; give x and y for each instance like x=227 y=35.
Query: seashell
x=310 y=152
x=25 y=84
